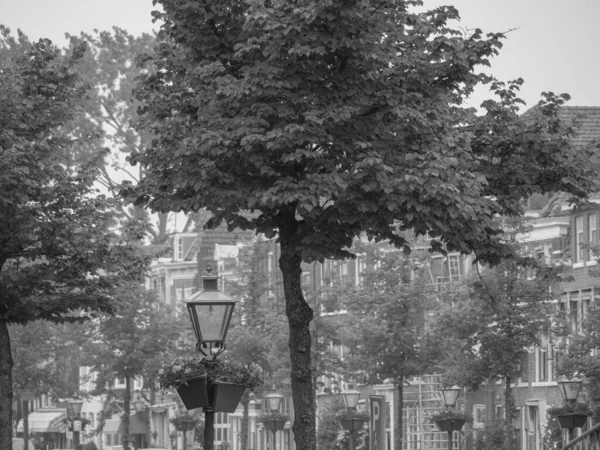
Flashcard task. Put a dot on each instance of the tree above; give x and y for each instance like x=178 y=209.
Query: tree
x=328 y=120
x=491 y=322
x=61 y=256
x=109 y=68
x=384 y=329
x=130 y=344
x=43 y=357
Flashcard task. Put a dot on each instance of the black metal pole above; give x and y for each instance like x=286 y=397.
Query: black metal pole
x=76 y=440
x=209 y=429
x=352 y=446
x=274 y=435
x=449 y=440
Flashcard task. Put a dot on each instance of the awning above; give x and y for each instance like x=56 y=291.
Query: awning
x=138 y=424
x=46 y=421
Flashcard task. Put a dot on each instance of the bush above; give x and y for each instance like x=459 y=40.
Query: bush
x=493 y=436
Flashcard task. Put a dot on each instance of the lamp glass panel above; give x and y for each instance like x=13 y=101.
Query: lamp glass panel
x=450 y=396
x=75 y=407
x=569 y=389
x=351 y=398
x=274 y=401
x=213 y=321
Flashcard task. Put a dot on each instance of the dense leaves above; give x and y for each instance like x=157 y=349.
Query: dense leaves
x=61 y=253
x=493 y=322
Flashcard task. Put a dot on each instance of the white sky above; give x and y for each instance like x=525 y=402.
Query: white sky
x=556 y=46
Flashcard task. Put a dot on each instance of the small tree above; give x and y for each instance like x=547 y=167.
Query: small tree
x=129 y=345
x=491 y=323
x=383 y=332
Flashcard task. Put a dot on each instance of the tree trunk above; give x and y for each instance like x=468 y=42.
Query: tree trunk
x=244 y=425
x=399 y=404
x=126 y=414
x=6 y=393
x=510 y=413
x=299 y=315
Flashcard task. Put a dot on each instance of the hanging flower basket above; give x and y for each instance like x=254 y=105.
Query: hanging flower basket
x=273 y=421
x=570 y=417
x=193 y=392
x=225 y=397
x=451 y=420
x=184 y=422
x=352 y=420
x=209 y=382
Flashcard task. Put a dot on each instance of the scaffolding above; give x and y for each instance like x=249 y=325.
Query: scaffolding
x=421 y=399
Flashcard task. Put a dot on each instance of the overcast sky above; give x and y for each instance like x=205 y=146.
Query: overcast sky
x=555 y=44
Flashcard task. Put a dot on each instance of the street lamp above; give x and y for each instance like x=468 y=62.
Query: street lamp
x=74 y=407
x=351 y=397
x=210 y=313
x=569 y=390
x=274 y=401
x=450 y=397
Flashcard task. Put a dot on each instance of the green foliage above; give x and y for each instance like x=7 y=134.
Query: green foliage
x=330 y=434
x=272 y=416
x=180 y=421
x=345 y=413
x=562 y=409
x=176 y=372
x=90 y=446
x=383 y=330
x=449 y=414
x=496 y=316
x=132 y=343
x=45 y=356
x=333 y=120
x=493 y=436
x=553 y=437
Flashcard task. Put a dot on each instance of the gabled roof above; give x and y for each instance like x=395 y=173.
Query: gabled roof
x=587 y=121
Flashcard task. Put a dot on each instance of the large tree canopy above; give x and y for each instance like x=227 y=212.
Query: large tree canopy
x=329 y=119
x=61 y=255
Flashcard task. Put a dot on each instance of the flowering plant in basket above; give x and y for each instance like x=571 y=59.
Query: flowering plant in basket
x=271 y=417
x=450 y=414
x=174 y=373
x=344 y=414
x=562 y=409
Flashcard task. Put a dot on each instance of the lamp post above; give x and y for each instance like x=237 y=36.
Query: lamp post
x=569 y=390
x=450 y=397
x=210 y=313
x=187 y=425
x=274 y=401
x=351 y=397
x=74 y=407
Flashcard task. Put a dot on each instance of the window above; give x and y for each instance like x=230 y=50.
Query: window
x=525 y=367
x=179 y=256
x=578 y=239
x=454 y=267
x=542 y=366
x=592 y=228
x=478 y=416
x=574 y=315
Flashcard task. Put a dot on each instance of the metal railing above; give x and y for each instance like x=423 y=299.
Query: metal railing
x=590 y=440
